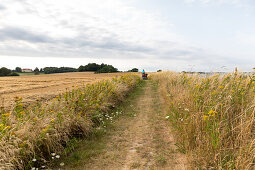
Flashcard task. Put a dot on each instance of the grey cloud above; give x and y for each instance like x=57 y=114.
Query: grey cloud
x=110 y=42
x=2 y=7
x=13 y=33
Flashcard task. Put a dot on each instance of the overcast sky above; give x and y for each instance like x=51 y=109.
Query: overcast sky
x=197 y=35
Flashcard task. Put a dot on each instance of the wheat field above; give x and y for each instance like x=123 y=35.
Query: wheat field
x=44 y=86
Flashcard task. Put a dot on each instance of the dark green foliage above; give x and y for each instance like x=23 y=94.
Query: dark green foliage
x=5 y=71
x=18 y=69
x=50 y=70
x=133 y=70
x=90 y=67
x=13 y=74
x=103 y=68
x=107 y=69
x=36 y=69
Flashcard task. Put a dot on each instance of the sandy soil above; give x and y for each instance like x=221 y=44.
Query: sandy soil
x=44 y=87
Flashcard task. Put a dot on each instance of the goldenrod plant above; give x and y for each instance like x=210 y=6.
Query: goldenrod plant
x=213 y=117
x=31 y=136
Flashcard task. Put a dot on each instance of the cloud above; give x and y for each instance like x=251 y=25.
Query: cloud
x=233 y=2
x=109 y=30
x=2 y=7
x=12 y=33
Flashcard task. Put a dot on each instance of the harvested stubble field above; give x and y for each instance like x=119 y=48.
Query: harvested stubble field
x=45 y=86
x=29 y=135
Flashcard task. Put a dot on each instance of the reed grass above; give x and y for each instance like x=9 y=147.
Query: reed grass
x=213 y=117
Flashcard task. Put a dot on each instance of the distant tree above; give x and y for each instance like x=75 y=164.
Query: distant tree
x=18 y=69
x=107 y=69
x=133 y=70
x=49 y=70
x=5 y=71
x=36 y=69
x=41 y=70
x=102 y=68
x=159 y=70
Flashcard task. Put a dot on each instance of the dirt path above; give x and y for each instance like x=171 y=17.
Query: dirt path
x=140 y=140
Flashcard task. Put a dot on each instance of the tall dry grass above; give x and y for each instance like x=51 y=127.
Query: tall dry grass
x=28 y=135
x=213 y=117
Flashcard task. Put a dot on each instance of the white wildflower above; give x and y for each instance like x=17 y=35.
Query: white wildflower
x=58 y=156
x=187 y=110
x=34 y=160
x=62 y=164
x=167 y=117
x=53 y=154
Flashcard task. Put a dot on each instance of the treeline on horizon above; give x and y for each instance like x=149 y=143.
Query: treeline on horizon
x=91 y=67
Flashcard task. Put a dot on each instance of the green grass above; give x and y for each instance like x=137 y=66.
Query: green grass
x=96 y=142
x=28 y=74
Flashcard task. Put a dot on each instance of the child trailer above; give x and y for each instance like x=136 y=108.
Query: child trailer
x=145 y=76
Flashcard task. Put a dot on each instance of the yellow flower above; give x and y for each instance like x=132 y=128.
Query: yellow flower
x=44 y=130
x=52 y=120
x=6 y=114
x=205 y=117
x=211 y=112
x=221 y=87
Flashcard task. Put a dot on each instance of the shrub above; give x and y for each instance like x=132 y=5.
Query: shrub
x=13 y=74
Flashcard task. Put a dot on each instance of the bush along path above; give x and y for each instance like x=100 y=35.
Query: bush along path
x=135 y=136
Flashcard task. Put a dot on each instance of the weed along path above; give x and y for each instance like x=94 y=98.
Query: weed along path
x=138 y=139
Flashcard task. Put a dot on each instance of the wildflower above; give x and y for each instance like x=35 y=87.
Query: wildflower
x=57 y=156
x=211 y=112
x=186 y=109
x=221 y=87
x=53 y=154
x=62 y=164
x=167 y=117
x=52 y=120
x=43 y=166
x=44 y=130
x=34 y=160
x=6 y=114
x=33 y=168
x=205 y=117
